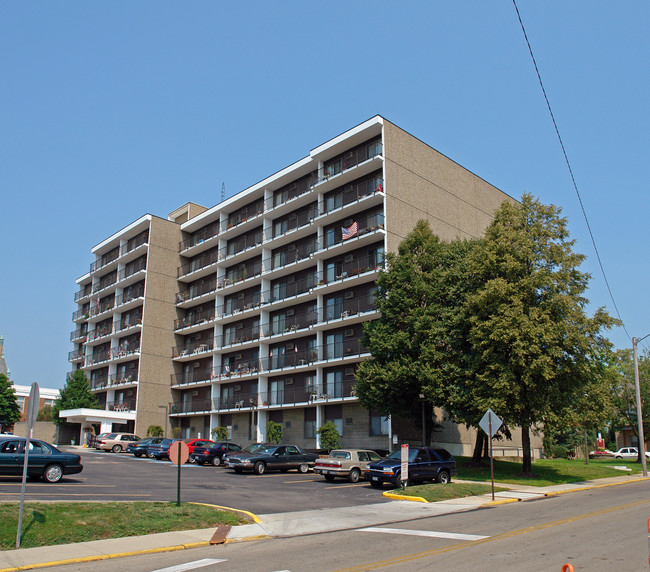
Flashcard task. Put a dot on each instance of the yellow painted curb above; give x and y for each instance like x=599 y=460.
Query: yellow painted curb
x=255 y=518
x=400 y=497
x=243 y=539
x=106 y=556
x=578 y=489
x=498 y=502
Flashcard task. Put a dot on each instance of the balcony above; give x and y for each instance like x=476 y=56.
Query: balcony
x=79 y=335
x=123 y=378
x=204 y=261
x=198 y=291
x=129 y=295
x=237 y=337
x=76 y=354
x=199 y=237
x=193 y=406
x=99 y=382
x=131 y=270
x=81 y=294
x=198 y=375
x=123 y=405
x=105 y=283
x=128 y=323
x=120 y=352
x=99 y=333
x=195 y=319
x=349 y=160
x=193 y=349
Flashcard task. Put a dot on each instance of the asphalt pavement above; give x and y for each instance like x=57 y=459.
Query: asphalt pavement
x=286 y=525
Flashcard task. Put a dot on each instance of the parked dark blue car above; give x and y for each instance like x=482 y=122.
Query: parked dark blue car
x=425 y=464
x=139 y=448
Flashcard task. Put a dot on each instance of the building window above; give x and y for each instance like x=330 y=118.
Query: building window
x=378 y=424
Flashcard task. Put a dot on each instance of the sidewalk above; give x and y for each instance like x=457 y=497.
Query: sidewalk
x=284 y=525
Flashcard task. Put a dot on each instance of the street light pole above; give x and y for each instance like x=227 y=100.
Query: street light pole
x=639 y=412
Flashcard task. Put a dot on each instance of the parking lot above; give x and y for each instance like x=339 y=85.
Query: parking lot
x=123 y=477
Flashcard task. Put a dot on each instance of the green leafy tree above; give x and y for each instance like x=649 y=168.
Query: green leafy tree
x=624 y=393
x=74 y=395
x=220 y=433
x=329 y=436
x=273 y=431
x=9 y=409
x=45 y=414
x=177 y=432
x=155 y=431
x=535 y=350
x=413 y=344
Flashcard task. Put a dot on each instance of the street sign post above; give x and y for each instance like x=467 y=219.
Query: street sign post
x=405 y=465
x=32 y=414
x=490 y=423
x=178 y=454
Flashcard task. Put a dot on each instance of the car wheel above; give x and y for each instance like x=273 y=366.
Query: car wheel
x=117 y=448
x=259 y=468
x=303 y=468
x=138 y=454
x=53 y=473
x=149 y=455
x=376 y=484
x=191 y=460
x=354 y=475
x=329 y=478
x=618 y=457
x=399 y=483
x=443 y=477
x=216 y=460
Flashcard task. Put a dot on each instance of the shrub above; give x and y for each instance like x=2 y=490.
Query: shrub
x=220 y=433
x=273 y=431
x=177 y=432
x=155 y=431
x=330 y=438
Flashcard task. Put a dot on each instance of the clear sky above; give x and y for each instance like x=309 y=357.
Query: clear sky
x=111 y=110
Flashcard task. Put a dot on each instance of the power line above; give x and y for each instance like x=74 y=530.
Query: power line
x=566 y=158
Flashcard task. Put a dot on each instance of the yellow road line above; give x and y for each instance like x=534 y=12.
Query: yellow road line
x=510 y=534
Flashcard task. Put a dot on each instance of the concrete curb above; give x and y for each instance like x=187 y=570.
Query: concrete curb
x=404 y=497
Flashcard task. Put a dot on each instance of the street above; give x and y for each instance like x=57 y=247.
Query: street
x=598 y=530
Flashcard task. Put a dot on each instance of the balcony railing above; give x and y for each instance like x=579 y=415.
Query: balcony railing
x=100 y=333
x=76 y=354
x=105 y=283
x=193 y=348
x=79 y=335
x=132 y=269
x=129 y=295
x=193 y=406
x=195 y=318
x=103 y=307
x=122 y=378
x=195 y=376
x=123 y=405
x=121 y=351
x=126 y=323
x=351 y=194
x=201 y=236
x=349 y=159
x=202 y=261
x=240 y=336
x=82 y=294
x=197 y=290
x=99 y=382
x=105 y=260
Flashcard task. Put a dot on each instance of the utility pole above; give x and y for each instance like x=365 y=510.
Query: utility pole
x=639 y=412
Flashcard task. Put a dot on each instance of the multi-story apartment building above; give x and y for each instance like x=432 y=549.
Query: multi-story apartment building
x=263 y=300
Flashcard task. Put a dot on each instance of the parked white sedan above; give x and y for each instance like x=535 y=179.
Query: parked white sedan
x=629 y=453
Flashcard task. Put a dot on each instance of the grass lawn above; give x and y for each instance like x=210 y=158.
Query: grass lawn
x=440 y=492
x=46 y=524
x=547 y=471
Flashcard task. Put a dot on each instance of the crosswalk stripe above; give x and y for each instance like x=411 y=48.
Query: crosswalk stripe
x=429 y=533
x=191 y=565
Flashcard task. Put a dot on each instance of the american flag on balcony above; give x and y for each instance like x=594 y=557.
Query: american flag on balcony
x=350 y=231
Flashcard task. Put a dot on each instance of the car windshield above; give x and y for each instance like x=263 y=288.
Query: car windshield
x=253 y=448
x=397 y=455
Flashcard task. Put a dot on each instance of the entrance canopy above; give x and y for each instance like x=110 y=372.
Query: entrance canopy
x=89 y=416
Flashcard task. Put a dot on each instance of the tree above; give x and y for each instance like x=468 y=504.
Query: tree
x=45 y=414
x=329 y=435
x=9 y=409
x=624 y=393
x=535 y=350
x=273 y=431
x=414 y=346
x=74 y=395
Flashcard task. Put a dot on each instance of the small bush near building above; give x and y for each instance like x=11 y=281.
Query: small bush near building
x=330 y=438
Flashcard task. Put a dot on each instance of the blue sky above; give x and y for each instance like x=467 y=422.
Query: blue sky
x=114 y=110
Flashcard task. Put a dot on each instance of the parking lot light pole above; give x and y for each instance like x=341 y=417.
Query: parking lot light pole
x=639 y=412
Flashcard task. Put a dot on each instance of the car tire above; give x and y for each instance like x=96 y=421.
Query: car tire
x=399 y=483
x=354 y=475
x=53 y=473
x=376 y=484
x=443 y=477
x=216 y=460
x=259 y=468
x=618 y=457
x=303 y=468
x=138 y=455
x=149 y=455
x=117 y=448
x=191 y=460
x=329 y=478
